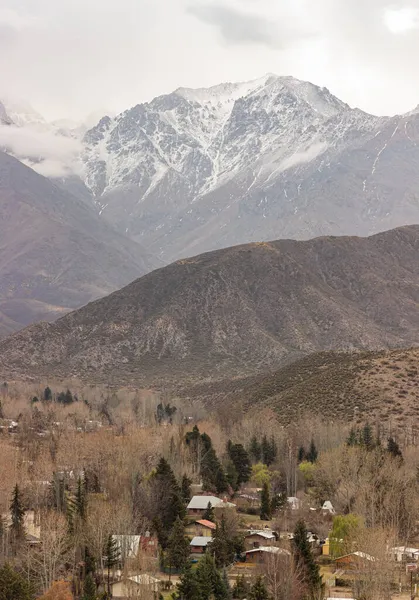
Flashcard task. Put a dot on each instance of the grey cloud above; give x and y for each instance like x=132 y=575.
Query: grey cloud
x=238 y=27
x=69 y=57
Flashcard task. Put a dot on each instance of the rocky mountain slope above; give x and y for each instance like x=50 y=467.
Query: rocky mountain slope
x=235 y=312
x=277 y=157
x=379 y=387
x=56 y=254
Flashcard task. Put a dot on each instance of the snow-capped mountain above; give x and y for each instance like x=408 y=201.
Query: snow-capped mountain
x=276 y=157
x=196 y=170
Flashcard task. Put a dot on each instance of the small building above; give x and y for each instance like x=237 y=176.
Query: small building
x=135 y=586
x=131 y=545
x=294 y=503
x=405 y=554
x=256 y=539
x=201 y=528
x=260 y=555
x=199 y=504
x=199 y=544
x=327 y=508
x=326 y=547
x=353 y=561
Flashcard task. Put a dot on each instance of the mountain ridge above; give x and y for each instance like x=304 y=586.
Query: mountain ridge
x=234 y=312
x=197 y=170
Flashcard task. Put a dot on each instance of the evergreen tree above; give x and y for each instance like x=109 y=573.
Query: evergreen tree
x=255 y=450
x=301 y=456
x=278 y=502
x=231 y=475
x=17 y=513
x=212 y=473
x=304 y=560
x=47 y=394
x=222 y=546
x=269 y=451
x=210 y=581
x=241 y=588
x=241 y=461
x=312 y=453
x=188 y=587
x=89 y=588
x=80 y=503
x=353 y=438
x=227 y=586
x=1 y=411
x=14 y=586
x=209 y=514
x=258 y=590
x=367 y=437
x=186 y=489
x=265 y=504
x=393 y=448
x=169 y=502
x=178 y=546
x=221 y=483
x=112 y=556
x=57 y=497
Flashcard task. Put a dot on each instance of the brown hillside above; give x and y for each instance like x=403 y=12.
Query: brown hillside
x=235 y=312
x=381 y=386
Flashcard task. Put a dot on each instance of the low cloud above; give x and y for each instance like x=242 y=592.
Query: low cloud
x=48 y=153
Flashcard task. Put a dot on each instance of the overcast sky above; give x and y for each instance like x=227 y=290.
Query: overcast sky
x=71 y=57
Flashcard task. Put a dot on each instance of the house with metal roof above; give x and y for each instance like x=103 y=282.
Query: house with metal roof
x=199 y=544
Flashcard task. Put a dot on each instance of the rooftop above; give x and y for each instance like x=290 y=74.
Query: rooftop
x=199 y=540
x=270 y=550
x=268 y=535
x=206 y=523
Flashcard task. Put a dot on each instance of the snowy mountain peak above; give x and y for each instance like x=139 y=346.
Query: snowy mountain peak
x=22 y=113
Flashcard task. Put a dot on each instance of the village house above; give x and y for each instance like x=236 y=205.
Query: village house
x=353 y=561
x=294 y=503
x=130 y=546
x=199 y=504
x=256 y=539
x=199 y=544
x=201 y=528
x=260 y=555
x=405 y=554
x=327 y=508
x=136 y=586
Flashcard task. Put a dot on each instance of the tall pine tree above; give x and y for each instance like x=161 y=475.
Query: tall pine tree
x=168 y=501
x=258 y=590
x=304 y=560
x=265 y=503
x=255 y=450
x=178 y=550
x=112 y=557
x=14 y=586
x=222 y=546
x=241 y=461
x=17 y=513
x=89 y=588
x=186 y=489
x=188 y=587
